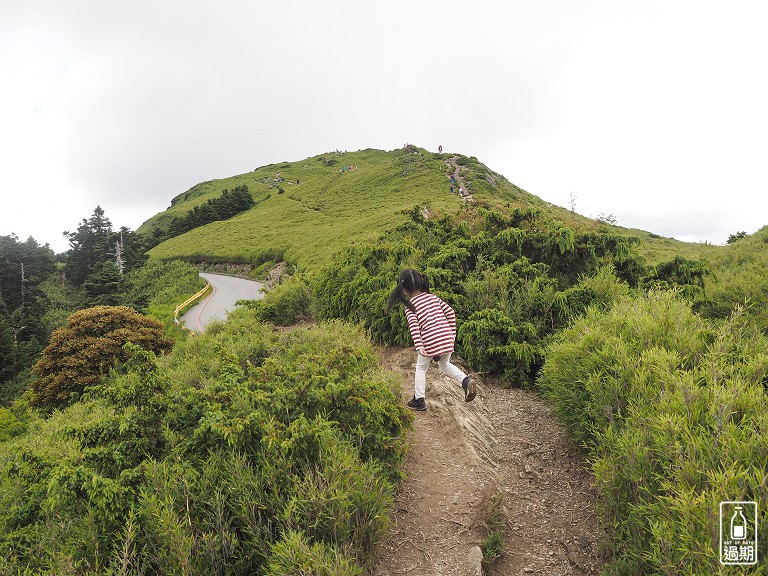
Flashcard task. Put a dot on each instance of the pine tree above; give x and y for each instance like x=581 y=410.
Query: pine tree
x=7 y=347
x=24 y=266
x=89 y=245
x=105 y=284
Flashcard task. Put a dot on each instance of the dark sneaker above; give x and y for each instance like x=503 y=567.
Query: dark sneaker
x=417 y=404
x=470 y=390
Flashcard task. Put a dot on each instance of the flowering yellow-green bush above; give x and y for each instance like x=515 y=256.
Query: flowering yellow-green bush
x=82 y=352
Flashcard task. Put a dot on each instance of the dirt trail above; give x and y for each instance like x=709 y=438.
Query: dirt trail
x=459 y=184
x=463 y=457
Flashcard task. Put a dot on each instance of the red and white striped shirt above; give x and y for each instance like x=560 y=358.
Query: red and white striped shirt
x=433 y=325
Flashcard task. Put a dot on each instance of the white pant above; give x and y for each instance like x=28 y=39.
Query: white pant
x=422 y=364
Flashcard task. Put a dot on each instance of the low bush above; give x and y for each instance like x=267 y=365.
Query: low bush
x=244 y=451
x=10 y=424
x=82 y=352
x=738 y=278
x=296 y=555
x=674 y=414
x=493 y=342
x=287 y=303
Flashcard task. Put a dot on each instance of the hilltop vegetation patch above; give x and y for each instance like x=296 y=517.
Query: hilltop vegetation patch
x=323 y=207
x=229 y=204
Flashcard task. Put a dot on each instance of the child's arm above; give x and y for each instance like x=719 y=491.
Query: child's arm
x=413 y=326
x=450 y=315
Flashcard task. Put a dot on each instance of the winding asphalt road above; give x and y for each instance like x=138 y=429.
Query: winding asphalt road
x=227 y=290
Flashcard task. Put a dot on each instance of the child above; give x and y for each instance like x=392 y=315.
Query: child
x=432 y=324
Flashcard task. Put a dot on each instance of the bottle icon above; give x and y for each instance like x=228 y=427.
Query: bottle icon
x=738 y=525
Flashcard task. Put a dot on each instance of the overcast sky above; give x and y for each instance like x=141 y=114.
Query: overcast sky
x=653 y=111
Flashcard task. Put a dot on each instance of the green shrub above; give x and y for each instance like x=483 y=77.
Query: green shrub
x=116 y=445
x=675 y=416
x=10 y=425
x=204 y=461
x=492 y=342
x=80 y=353
x=215 y=516
x=295 y=555
x=48 y=501
x=341 y=502
x=738 y=279
x=331 y=371
x=287 y=303
x=597 y=355
x=492 y=544
x=512 y=280
x=600 y=290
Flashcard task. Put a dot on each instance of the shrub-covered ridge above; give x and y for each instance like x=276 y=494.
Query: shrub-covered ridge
x=512 y=280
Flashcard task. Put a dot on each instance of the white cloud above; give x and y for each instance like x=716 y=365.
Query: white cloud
x=652 y=111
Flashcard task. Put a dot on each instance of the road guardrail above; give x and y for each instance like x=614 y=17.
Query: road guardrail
x=189 y=301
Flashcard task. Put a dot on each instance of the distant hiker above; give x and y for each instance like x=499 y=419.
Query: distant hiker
x=440 y=149
x=432 y=324
x=297 y=182
x=453 y=180
x=451 y=188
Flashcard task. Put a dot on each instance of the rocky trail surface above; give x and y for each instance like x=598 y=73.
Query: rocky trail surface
x=458 y=183
x=504 y=455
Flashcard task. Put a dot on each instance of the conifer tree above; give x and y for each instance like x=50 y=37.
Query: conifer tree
x=89 y=245
x=7 y=348
x=105 y=284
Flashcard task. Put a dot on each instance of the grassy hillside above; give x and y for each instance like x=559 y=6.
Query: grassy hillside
x=328 y=208
x=325 y=211
x=739 y=278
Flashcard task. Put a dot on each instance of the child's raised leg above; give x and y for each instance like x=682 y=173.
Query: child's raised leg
x=468 y=385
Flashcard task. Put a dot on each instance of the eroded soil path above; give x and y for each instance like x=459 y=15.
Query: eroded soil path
x=504 y=451
x=459 y=184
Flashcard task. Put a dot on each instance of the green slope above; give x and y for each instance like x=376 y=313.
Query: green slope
x=329 y=208
x=311 y=220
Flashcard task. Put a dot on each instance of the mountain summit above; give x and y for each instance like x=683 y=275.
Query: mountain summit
x=307 y=210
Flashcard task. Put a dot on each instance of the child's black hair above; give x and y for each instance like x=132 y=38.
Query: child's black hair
x=410 y=280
